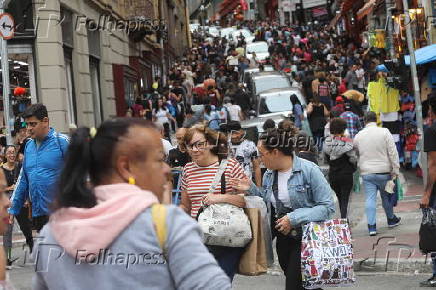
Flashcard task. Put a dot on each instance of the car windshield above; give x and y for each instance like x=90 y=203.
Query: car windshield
x=274 y=104
x=245 y=33
x=263 y=84
x=257 y=48
x=226 y=32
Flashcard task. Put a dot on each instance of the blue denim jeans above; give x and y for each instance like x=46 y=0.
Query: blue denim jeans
x=372 y=183
x=227 y=258
x=433 y=258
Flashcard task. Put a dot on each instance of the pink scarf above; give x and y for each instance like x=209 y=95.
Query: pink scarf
x=92 y=229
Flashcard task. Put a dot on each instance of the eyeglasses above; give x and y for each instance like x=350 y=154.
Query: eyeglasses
x=199 y=145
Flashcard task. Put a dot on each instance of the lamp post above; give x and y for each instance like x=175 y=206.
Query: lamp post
x=5 y=77
x=418 y=105
x=390 y=28
x=202 y=14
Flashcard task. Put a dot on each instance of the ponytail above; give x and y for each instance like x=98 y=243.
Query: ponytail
x=89 y=161
x=74 y=184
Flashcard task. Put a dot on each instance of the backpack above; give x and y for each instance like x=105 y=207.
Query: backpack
x=159 y=216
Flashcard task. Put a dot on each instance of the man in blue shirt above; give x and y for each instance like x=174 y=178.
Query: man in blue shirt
x=42 y=164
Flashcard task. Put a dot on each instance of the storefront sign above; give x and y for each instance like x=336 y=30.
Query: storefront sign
x=288 y=5
x=7 y=26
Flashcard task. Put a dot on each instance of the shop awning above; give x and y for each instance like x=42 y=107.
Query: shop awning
x=366 y=9
x=319 y=11
x=423 y=55
x=227 y=6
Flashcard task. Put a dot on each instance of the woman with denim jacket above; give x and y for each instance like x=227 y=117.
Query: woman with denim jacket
x=298 y=193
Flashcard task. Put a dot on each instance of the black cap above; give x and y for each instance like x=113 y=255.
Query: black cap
x=234 y=126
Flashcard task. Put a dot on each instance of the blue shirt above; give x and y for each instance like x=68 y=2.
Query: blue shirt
x=39 y=175
x=309 y=192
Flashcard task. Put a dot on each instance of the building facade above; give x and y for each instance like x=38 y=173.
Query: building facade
x=88 y=60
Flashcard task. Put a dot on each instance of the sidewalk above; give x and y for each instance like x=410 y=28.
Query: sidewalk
x=391 y=250
x=394 y=249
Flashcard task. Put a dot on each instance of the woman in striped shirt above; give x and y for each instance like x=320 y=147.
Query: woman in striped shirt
x=207 y=148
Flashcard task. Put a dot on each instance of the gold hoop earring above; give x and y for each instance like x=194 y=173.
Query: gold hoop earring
x=132 y=181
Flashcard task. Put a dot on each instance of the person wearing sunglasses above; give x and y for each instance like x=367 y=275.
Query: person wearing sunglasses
x=207 y=148
x=42 y=164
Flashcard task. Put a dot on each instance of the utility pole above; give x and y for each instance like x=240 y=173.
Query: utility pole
x=417 y=94
x=5 y=77
x=390 y=28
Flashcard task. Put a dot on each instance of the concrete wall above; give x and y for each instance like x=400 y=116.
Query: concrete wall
x=114 y=48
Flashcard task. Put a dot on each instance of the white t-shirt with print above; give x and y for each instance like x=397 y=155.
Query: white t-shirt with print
x=234 y=111
x=283 y=193
x=244 y=153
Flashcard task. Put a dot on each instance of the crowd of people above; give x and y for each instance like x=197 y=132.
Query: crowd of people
x=96 y=196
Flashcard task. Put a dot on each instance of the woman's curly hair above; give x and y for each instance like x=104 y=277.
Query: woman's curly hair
x=217 y=139
x=281 y=138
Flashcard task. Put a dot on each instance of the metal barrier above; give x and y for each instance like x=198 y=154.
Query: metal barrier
x=177 y=182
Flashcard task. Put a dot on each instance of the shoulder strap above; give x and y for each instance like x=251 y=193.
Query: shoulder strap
x=218 y=175
x=159 y=216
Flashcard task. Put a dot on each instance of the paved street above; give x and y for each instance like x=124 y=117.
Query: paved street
x=365 y=281
x=405 y=265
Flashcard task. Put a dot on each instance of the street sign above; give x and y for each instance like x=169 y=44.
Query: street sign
x=7 y=26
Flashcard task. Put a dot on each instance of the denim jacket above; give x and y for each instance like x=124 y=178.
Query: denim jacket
x=310 y=193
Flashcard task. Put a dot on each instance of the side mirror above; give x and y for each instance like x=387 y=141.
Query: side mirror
x=252 y=114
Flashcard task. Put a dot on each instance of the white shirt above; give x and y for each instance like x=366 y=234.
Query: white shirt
x=283 y=193
x=377 y=151
x=161 y=116
x=234 y=111
x=361 y=80
x=167 y=147
x=244 y=153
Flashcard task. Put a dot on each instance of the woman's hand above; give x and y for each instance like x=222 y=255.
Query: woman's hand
x=240 y=184
x=283 y=225
x=211 y=198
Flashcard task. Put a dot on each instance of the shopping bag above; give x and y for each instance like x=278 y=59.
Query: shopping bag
x=253 y=261
x=257 y=202
x=327 y=254
x=427 y=231
x=225 y=225
x=399 y=189
x=356 y=181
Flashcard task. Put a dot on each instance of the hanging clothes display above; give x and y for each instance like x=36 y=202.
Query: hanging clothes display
x=380 y=39
x=383 y=98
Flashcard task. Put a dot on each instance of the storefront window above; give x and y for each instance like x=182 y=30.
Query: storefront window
x=67 y=27
x=129 y=91
x=94 y=69
x=95 y=85
x=71 y=98
x=21 y=81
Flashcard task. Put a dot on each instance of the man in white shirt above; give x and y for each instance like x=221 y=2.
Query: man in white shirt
x=245 y=152
x=165 y=143
x=360 y=73
x=378 y=163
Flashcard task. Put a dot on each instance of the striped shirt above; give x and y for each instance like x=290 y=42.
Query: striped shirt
x=196 y=181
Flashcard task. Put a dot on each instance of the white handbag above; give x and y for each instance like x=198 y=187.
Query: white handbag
x=224 y=224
